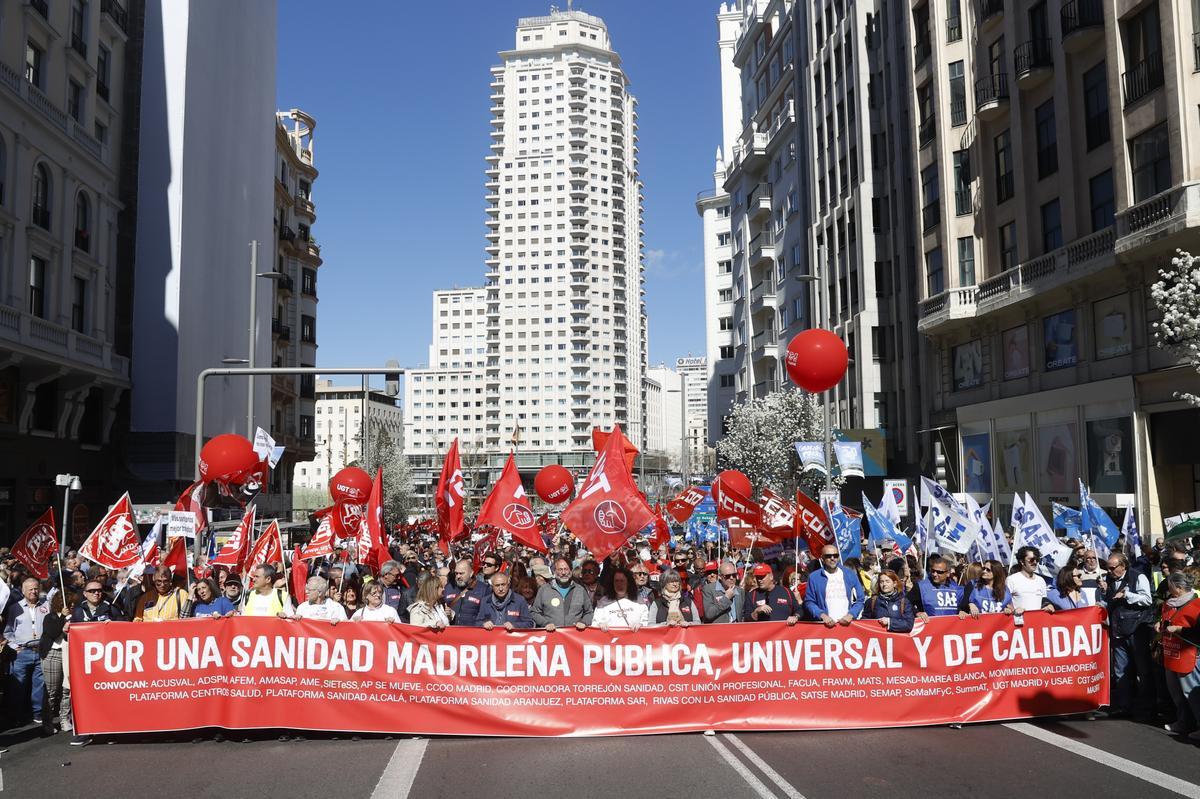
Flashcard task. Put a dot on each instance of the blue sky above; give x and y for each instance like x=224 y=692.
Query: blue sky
x=399 y=90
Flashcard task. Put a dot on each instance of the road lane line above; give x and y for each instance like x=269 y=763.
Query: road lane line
x=1124 y=765
x=397 y=778
x=788 y=789
x=737 y=765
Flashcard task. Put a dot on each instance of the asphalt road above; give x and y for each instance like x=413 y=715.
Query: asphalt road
x=1052 y=757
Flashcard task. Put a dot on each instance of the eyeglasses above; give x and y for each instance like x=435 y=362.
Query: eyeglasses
x=491 y=564
x=1029 y=559
x=1078 y=574
x=936 y=571
x=730 y=576
x=829 y=557
x=93 y=590
x=641 y=574
x=588 y=571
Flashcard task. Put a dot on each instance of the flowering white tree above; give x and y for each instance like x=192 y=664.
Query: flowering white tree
x=1177 y=296
x=761 y=433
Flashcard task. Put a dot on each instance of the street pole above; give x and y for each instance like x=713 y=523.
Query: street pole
x=62 y=550
x=825 y=323
x=253 y=331
x=366 y=426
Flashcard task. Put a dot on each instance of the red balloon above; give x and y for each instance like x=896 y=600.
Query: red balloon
x=226 y=458
x=735 y=480
x=816 y=360
x=351 y=484
x=554 y=484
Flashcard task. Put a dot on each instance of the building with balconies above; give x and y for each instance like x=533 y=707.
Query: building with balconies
x=296 y=257
x=1073 y=182
x=815 y=171
x=69 y=82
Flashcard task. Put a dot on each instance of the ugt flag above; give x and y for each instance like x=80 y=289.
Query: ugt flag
x=609 y=509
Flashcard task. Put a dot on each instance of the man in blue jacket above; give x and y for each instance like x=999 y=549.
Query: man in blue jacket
x=834 y=594
x=940 y=595
x=464 y=594
x=503 y=608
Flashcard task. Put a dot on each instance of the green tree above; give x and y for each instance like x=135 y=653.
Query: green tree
x=760 y=435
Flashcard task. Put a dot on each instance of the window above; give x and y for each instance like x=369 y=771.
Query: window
x=921 y=47
x=931 y=210
x=1143 y=54
x=966 y=261
x=962 y=182
x=1100 y=192
x=958 y=95
x=103 y=70
x=927 y=129
x=79 y=306
x=726 y=323
x=83 y=223
x=726 y=351
x=101 y=132
x=935 y=278
x=75 y=101
x=78 y=32
x=33 y=65
x=41 y=196
x=1051 y=226
x=953 y=21
x=726 y=381
x=725 y=295
x=308 y=282
x=1008 y=246
x=1095 y=106
x=308 y=329
x=1004 y=167
x=3 y=168
x=1150 y=159
x=1047 y=140
x=37 y=287
x=722 y=239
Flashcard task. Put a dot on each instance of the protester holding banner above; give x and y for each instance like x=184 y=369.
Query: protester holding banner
x=939 y=593
x=207 y=601
x=52 y=648
x=673 y=606
x=768 y=601
x=1068 y=593
x=888 y=605
x=724 y=600
x=464 y=594
x=165 y=602
x=562 y=602
x=317 y=605
x=503 y=608
x=264 y=599
x=1029 y=589
x=1180 y=629
x=428 y=610
x=834 y=595
x=1130 y=606
x=987 y=592
x=617 y=608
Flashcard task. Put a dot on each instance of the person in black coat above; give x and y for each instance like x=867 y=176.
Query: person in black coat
x=889 y=605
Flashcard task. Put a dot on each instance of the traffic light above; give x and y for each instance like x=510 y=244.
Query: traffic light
x=939 y=464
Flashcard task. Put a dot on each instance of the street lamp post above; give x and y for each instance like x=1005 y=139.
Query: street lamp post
x=69 y=483
x=822 y=322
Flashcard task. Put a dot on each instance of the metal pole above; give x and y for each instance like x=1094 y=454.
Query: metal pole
x=822 y=286
x=365 y=456
x=253 y=331
x=62 y=550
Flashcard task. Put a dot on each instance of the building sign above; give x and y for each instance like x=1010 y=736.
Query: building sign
x=1014 y=345
x=977 y=463
x=1110 y=455
x=1061 y=340
x=968 y=365
x=1114 y=329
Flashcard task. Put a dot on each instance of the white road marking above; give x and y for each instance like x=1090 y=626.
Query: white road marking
x=788 y=789
x=1125 y=766
x=729 y=757
x=397 y=778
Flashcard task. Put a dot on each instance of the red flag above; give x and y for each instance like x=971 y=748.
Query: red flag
x=321 y=544
x=299 y=576
x=732 y=505
x=608 y=510
x=483 y=547
x=344 y=518
x=237 y=548
x=150 y=553
x=190 y=499
x=742 y=535
x=778 y=517
x=267 y=549
x=507 y=507
x=114 y=543
x=683 y=506
x=176 y=556
x=600 y=441
x=37 y=544
x=450 y=494
x=662 y=530
x=372 y=546
x=811 y=524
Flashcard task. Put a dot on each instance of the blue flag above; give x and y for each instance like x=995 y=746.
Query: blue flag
x=882 y=528
x=1094 y=520
x=1067 y=519
x=846 y=531
x=1133 y=538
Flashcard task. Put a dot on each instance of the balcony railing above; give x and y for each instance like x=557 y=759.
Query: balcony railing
x=927 y=133
x=962 y=202
x=116 y=12
x=991 y=89
x=280 y=329
x=102 y=90
x=83 y=240
x=1079 y=14
x=953 y=29
x=1031 y=55
x=989 y=8
x=286 y=233
x=922 y=51
x=1143 y=77
x=40 y=6
x=931 y=215
x=1196 y=52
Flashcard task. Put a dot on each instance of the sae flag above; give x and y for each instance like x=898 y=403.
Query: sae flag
x=882 y=528
x=1034 y=531
x=1067 y=519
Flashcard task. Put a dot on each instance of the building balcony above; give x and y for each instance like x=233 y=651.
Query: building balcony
x=1160 y=221
x=285 y=284
x=286 y=234
x=1082 y=24
x=783 y=125
x=953 y=28
x=758 y=204
x=40 y=216
x=939 y=309
x=991 y=96
x=762 y=297
x=927 y=133
x=762 y=248
x=1143 y=78
x=990 y=12
x=764 y=346
x=305 y=207
x=750 y=153
x=21 y=330
x=114 y=11
x=280 y=330
x=1034 y=62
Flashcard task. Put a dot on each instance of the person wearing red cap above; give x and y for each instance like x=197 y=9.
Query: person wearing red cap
x=768 y=601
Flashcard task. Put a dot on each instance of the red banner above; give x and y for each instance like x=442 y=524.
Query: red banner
x=254 y=672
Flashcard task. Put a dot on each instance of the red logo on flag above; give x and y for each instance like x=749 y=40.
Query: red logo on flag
x=518 y=515
x=609 y=508
x=37 y=544
x=610 y=517
x=507 y=508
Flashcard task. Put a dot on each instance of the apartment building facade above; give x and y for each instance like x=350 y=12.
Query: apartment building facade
x=338 y=428
x=1057 y=172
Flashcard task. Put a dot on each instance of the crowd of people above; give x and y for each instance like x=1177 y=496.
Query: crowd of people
x=1153 y=613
